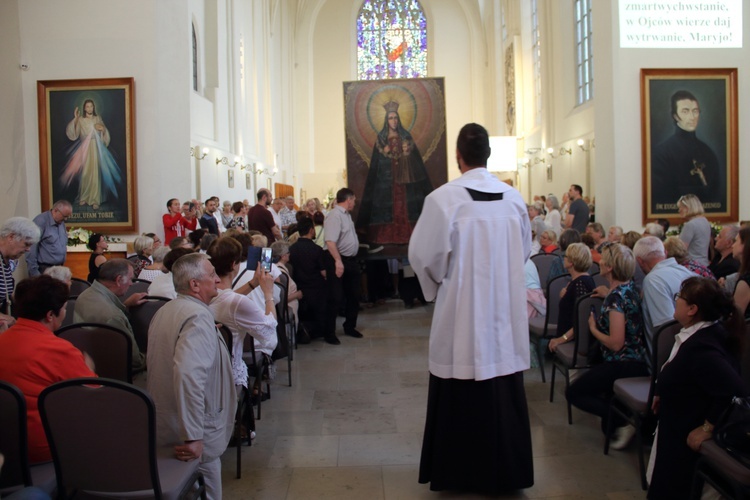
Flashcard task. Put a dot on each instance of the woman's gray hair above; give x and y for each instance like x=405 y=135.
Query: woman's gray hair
x=552 y=199
x=141 y=243
x=61 y=273
x=21 y=228
x=279 y=249
x=186 y=268
x=160 y=253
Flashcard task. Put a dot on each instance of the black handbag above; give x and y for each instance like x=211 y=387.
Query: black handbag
x=732 y=430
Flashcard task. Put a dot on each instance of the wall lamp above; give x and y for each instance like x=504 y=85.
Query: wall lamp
x=196 y=153
x=560 y=152
x=258 y=169
x=538 y=160
x=532 y=151
x=582 y=144
x=225 y=161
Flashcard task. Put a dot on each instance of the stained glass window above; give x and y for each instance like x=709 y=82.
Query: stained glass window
x=391 y=40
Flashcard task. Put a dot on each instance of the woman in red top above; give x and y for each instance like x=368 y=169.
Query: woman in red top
x=32 y=357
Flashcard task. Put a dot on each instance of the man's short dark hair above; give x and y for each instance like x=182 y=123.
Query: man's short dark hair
x=175 y=254
x=110 y=270
x=237 y=206
x=304 y=226
x=263 y=192
x=680 y=95
x=35 y=297
x=169 y=203
x=209 y=199
x=343 y=194
x=577 y=189
x=474 y=145
x=177 y=242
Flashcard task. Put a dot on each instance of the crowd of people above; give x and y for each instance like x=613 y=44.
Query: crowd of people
x=207 y=267
x=202 y=268
x=699 y=277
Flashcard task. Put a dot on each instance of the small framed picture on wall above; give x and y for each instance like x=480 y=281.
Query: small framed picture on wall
x=230 y=178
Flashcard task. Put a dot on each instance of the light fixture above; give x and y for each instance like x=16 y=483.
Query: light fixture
x=195 y=152
x=246 y=167
x=538 y=160
x=225 y=161
x=582 y=144
x=258 y=169
x=561 y=152
x=532 y=151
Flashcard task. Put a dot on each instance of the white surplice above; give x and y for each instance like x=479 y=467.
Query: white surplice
x=470 y=256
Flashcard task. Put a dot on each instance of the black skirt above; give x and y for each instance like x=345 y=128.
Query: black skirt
x=477 y=436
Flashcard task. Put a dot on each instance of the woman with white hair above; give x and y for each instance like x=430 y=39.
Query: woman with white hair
x=17 y=236
x=144 y=247
x=553 y=219
x=151 y=271
x=60 y=273
x=696 y=232
x=537 y=225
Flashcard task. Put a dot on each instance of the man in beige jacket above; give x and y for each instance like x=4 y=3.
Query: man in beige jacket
x=190 y=372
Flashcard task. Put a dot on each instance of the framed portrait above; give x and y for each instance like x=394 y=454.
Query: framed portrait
x=689 y=141
x=87 y=151
x=395 y=153
x=230 y=178
x=269 y=184
x=248 y=182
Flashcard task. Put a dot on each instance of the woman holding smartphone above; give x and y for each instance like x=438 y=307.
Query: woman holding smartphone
x=619 y=331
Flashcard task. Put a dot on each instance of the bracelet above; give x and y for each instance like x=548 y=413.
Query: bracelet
x=707 y=426
x=565 y=337
x=269 y=300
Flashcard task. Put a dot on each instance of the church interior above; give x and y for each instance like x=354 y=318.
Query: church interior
x=253 y=91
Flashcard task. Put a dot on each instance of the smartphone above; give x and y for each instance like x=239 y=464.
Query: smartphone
x=191 y=206
x=253 y=256
x=265 y=259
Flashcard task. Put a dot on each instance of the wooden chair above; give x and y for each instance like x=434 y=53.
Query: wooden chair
x=16 y=472
x=574 y=355
x=545 y=327
x=633 y=396
x=87 y=421
x=109 y=347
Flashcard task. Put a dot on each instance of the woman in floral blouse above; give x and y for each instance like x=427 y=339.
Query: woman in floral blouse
x=619 y=331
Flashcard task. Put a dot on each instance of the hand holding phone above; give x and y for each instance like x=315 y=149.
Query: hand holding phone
x=265 y=259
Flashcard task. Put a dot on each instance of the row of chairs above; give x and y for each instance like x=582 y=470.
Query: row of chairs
x=78 y=286
x=102 y=437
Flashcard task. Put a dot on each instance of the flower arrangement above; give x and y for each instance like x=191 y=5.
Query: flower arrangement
x=78 y=236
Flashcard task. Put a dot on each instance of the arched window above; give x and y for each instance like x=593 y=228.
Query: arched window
x=391 y=40
x=195 y=60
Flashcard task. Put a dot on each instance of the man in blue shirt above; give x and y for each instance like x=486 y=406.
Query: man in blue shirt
x=208 y=221
x=53 y=244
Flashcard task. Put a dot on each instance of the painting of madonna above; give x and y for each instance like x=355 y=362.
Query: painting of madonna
x=396 y=186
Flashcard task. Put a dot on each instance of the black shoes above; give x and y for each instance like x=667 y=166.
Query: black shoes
x=354 y=333
x=333 y=340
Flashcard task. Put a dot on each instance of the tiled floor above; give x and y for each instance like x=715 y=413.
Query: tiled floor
x=350 y=427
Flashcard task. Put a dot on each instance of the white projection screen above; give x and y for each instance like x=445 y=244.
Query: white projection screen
x=680 y=24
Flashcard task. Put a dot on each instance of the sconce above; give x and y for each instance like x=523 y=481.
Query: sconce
x=246 y=167
x=194 y=152
x=582 y=145
x=225 y=161
x=524 y=162
x=258 y=169
x=538 y=160
x=532 y=151
x=561 y=152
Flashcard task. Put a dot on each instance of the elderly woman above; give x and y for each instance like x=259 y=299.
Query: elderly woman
x=619 y=331
x=696 y=232
x=280 y=255
x=577 y=263
x=98 y=245
x=614 y=235
x=548 y=241
x=741 y=252
x=237 y=311
x=567 y=238
x=630 y=238
x=677 y=248
x=537 y=225
x=696 y=384
x=226 y=213
x=150 y=272
x=60 y=273
x=144 y=247
x=553 y=218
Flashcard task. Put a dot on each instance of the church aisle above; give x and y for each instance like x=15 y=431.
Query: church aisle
x=350 y=427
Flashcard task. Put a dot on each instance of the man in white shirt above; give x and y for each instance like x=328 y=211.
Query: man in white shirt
x=276 y=207
x=468 y=250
